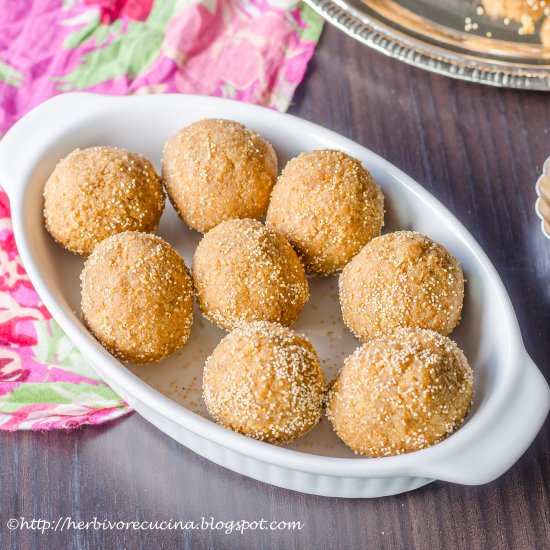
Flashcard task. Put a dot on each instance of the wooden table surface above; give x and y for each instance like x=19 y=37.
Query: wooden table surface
x=479 y=150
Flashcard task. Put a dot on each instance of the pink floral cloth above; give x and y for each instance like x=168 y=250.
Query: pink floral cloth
x=251 y=50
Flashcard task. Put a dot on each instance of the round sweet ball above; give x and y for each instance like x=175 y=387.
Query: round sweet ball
x=243 y=272
x=401 y=279
x=137 y=297
x=328 y=206
x=401 y=393
x=215 y=170
x=98 y=192
x=265 y=381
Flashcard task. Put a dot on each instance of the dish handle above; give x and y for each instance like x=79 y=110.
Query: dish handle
x=496 y=447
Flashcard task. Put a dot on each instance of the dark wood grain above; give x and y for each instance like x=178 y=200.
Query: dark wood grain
x=479 y=150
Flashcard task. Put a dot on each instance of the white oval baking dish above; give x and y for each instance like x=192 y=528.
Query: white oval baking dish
x=512 y=396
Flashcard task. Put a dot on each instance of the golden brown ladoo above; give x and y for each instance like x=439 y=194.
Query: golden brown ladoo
x=401 y=393
x=243 y=271
x=526 y=12
x=328 y=206
x=98 y=192
x=215 y=170
x=137 y=297
x=401 y=279
x=265 y=381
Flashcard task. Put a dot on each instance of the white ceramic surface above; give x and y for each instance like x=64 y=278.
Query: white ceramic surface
x=545 y=176
x=512 y=397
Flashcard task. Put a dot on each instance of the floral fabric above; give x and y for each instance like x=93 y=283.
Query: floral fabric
x=252 y=50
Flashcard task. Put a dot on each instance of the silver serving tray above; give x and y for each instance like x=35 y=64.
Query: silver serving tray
x=431 y=34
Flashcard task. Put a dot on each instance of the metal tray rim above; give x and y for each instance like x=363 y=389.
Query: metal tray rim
x=427 y=56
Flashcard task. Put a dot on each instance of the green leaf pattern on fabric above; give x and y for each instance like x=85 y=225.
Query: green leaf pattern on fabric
x=11 y=76
x=63 y=393
x=128 y=54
